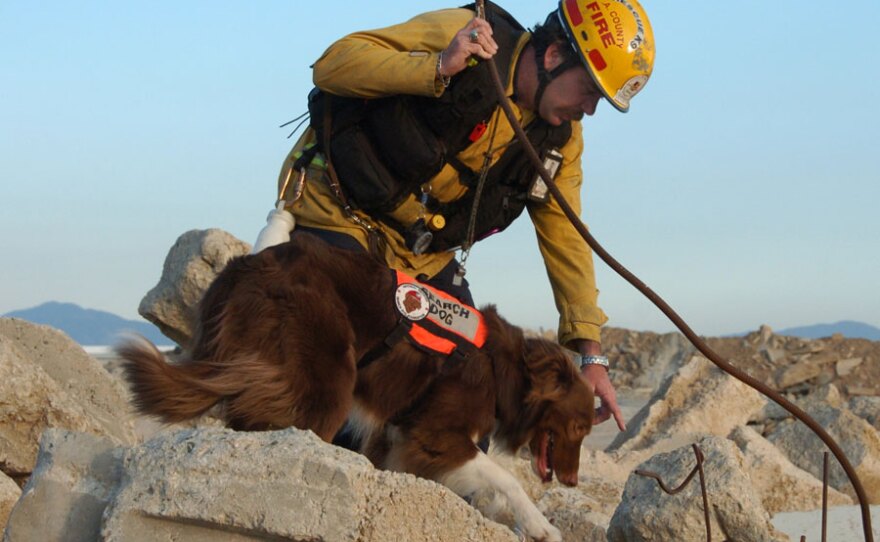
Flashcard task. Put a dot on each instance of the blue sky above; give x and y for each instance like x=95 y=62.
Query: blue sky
x=742 y=186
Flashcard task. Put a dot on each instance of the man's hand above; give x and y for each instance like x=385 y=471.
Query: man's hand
x=597 y=377
x=475 y=39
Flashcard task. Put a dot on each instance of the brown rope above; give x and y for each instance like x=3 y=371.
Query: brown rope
x=673 y=316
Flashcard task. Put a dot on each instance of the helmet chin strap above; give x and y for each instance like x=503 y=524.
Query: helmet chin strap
x=544 y=77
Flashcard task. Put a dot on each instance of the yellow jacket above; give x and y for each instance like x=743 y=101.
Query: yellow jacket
x=402 y=59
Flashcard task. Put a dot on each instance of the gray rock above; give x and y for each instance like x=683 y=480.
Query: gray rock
x=101 y=396
x=32 y=400
x=671 y=352
x=792 y=375
x=772 y=355
x=9 y=495
x=867 y=408
x=765 y=333
x=572 y=512
x=646 y=513
x=216 y=484
x=580 y=511
x=781 y=485
x=75 y=476
x=847 y=366
x=190 y=267
x=699 y=399
x=860 y=391
x=859 y=441
x=827 y=393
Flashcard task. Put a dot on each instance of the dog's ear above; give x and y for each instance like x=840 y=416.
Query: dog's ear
x=550 y=370
x=576 y=429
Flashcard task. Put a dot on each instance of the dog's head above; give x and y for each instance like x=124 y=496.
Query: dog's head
x=562 y=402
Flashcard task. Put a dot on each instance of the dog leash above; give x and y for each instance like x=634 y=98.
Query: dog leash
x=701 y=345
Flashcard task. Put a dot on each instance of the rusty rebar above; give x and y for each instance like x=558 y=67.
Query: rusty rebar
x=695 y=339
x=699 y=454
x=698 y=468
x=825 y=497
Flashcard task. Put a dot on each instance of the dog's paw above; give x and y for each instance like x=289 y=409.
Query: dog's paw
x=540 y=530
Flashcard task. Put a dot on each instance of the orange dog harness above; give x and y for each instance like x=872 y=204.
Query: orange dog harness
x=437 y=321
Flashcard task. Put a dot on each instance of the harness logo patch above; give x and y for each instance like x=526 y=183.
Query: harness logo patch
x=412 y=302
x=444 y=323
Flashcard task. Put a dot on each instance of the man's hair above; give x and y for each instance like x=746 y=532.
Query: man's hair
x=551 y=31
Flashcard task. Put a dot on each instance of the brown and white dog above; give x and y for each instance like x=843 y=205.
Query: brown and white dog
x=278 y=344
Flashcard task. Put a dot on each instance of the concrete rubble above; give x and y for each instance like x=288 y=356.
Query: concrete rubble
x=781 y=486
x=205 y=485
x=65 y=418
x=647 y=513
x=191 y=265
x=9 y=495
x=49 y=381
x=75 y=476
x=867 y=408
x=699 y=399
x=857 y=438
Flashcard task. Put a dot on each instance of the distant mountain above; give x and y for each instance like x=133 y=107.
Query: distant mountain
x=847 y=328
x=88 y=327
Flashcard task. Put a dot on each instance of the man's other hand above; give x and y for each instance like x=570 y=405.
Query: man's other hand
x=475 y=39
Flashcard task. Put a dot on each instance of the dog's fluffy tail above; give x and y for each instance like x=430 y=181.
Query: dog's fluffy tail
x=174 y=393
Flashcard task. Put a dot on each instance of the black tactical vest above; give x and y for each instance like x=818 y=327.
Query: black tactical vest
x=384 y=149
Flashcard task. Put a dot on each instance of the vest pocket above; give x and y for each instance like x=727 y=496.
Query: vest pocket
x=406 y=147
x=365 y=180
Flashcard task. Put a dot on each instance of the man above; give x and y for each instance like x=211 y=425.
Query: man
x=424 y=162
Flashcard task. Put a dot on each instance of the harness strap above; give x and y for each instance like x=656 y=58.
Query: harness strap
x=403 y=330
x=375 y=242
x=433 y=321
x=400 y=331
x=544 y=77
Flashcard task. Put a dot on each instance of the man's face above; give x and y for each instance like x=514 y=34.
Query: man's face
x=569 y=96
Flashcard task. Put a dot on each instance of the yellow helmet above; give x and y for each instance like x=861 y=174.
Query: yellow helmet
x=615 y=43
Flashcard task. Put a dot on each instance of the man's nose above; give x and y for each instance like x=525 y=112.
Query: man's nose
x=589 y=105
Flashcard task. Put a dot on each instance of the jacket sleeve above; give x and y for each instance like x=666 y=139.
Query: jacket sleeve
x=567 y=257
x=399 y=59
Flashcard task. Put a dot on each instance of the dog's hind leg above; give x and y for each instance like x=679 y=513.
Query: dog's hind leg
x=317 y=397
x=481 y=473
x=304 y=373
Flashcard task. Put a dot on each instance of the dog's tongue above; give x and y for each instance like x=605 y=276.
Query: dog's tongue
x=539 y=461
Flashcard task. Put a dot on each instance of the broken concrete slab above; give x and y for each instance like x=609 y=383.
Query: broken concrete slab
x=192 y=264
x=75 y=475
x=859 y=441
x=780 y=484
x=647 y=513
x=33 y=401
x=9 y=495
x=200 y=484
x=699 y=399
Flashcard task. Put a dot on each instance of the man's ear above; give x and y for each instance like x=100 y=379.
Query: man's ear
x=552 y=57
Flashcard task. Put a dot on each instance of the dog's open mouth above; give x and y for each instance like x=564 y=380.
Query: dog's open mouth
x=542 y=456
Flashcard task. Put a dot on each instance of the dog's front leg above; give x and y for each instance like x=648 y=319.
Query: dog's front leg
x=481 y=472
